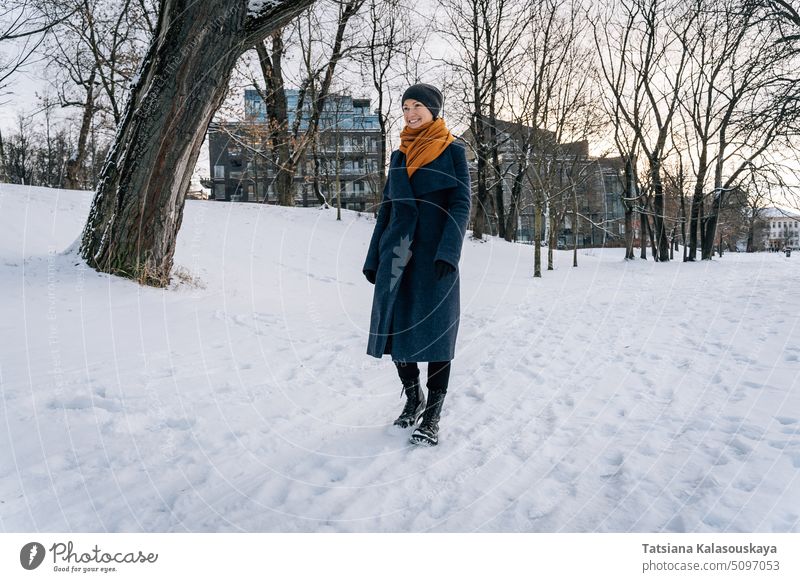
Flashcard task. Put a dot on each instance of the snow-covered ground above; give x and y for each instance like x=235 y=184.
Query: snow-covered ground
x=612 y=397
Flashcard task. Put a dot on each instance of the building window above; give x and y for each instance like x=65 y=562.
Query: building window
x=219 y=172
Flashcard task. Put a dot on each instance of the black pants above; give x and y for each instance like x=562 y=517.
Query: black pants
x=438 y=373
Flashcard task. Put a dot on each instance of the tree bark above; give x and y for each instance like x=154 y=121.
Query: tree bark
x=710 y=227
x=277 y=117
x=574 y=227
x=553 y=242
x=697 y=204
x=645 y=224
x=630 y=195
x=3 y=173
x=653 y=247
x=683 y=224
x=537 y=240
x=511 y=220
x=138 y=206
x=661 y=243
x=482 y=195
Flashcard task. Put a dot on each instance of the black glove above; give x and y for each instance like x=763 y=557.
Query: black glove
x=443 y=268
x=370 y=275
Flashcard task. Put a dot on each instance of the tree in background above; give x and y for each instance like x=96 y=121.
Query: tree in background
x=289 y=145
x=24 y=25
x=552 y=94
x=787 y=17
x=91 y=59
x=644 y=49
x=739 y=103
x=488 y=35
x=389 y=37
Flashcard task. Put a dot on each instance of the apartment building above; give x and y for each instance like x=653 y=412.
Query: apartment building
x=343 y=161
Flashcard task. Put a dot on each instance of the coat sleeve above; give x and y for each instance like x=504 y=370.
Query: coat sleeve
x=371 y=263
x=460 y=204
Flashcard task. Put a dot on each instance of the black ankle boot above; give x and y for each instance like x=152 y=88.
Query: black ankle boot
x=428 y=432
x=415 y=404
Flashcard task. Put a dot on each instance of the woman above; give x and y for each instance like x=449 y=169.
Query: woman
x=413 y=258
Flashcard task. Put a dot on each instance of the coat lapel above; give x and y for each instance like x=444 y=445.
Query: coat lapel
x=399 y=185
x=437 y=175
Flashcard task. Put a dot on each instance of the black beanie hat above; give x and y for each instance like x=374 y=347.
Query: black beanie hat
x=426 y=94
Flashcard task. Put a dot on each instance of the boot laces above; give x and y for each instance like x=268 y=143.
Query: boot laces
x=412 y=401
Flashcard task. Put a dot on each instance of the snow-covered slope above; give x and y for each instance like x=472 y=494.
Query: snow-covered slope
x=612 y=397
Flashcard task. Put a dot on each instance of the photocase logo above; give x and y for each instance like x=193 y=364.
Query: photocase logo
x=31 y=555
x=402 y=254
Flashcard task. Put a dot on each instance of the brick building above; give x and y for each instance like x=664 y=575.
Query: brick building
x=557 y=169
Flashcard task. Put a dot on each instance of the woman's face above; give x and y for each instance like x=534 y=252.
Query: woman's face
x=415 y=113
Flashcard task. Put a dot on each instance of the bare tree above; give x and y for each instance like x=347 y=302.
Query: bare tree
x=626 y=140
x=3 y=171
x=138 y=205
x=390 y=37
x=74 y=74
x=91 y=60
x=24 y=25
x=487 y=34
x=739 y=106
x=757 y=202
x=19 y=152
x=53 y=145
x=788 y=19
x=289 y=145
x=552 y=94
x=643 y=60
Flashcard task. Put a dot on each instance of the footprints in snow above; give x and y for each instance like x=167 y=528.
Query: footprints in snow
x=95 y=399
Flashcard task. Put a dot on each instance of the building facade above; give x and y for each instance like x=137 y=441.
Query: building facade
x=567 y=177
x=343 y=160
x=782 y=229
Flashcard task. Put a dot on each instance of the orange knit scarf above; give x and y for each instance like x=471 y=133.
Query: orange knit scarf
x=424 y=144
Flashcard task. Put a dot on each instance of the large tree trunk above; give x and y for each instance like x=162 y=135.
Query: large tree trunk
x=3 y=175
x=628 y=232
x=630 y=194
x=512 y=219
x=553 y=240
x=751 y=235
x=710 y=227
x=661 y=248
x=683 y=224
x=697 y=204
x=709 y=231
x=653 y=247
x=278 y=118
x=537 y=238
x=644 y=224
x=497 y=176
x=480 y=218
x=575 y=228
x=138 y=205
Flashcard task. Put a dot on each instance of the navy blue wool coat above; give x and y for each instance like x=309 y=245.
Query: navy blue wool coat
x=414 y=316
